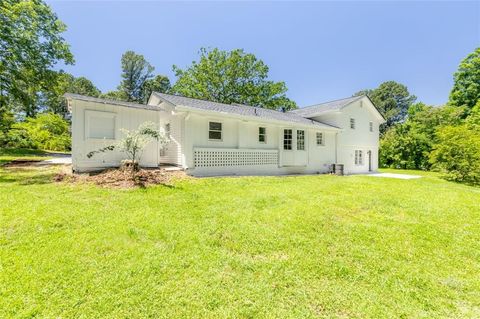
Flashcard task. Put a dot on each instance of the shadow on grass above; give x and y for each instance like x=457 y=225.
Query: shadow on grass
x=25 y=176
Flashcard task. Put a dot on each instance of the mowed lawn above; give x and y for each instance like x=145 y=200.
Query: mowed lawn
x=251 y=247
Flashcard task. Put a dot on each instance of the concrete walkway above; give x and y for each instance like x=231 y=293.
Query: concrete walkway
x=393 y=175
x=58 y=159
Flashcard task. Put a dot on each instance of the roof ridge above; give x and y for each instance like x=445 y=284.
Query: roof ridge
x=345 y=98
x=204 y=100
x=235 y=104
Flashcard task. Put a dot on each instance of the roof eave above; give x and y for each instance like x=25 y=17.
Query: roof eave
x=78 y=97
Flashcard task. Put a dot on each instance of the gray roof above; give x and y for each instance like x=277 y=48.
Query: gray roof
x=108 y=101
x=317 y=109
x=242 y=110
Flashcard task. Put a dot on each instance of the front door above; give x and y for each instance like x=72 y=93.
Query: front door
x=369 y=161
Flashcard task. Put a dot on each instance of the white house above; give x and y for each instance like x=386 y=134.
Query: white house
x=209 y=138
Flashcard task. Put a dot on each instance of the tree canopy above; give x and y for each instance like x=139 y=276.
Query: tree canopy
x=408 y=144
x=392 y=100
x=30 y=45
x=231 y=77
x=160 y=83
x=466 y=87
x=135 y=71
x=67 y=83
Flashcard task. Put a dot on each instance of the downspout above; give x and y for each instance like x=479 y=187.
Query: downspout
x=336 y=147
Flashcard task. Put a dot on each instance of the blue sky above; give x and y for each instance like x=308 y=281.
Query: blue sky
x=322 y=50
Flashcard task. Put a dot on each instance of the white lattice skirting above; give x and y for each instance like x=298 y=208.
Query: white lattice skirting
x=218 y=157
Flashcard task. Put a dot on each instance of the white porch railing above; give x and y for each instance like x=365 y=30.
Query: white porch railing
x=231 y=157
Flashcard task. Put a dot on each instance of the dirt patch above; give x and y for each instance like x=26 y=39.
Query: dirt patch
x=21 y=163
x=118 y=178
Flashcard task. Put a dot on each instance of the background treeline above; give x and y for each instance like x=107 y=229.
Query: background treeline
x=33 y=112
x=444 y=138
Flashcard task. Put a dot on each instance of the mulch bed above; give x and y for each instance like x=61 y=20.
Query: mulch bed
x=120 y=178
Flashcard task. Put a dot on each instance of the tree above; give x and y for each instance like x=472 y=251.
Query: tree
x=408 y=145
x=135 y=71
x=231 y=77
x=134 y=142
x=47 y=131
x=67 y=83
x=392 y=100
x=160 y=83
x=115 y=95
x=30 y=45
x=457 y=153
x=466 y=87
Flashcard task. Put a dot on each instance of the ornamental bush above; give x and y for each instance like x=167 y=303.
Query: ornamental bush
x=457 y=153
x=47 y=131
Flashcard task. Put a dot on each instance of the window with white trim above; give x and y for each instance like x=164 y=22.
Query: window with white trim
x=358 y=157
x=100 y=125
x=320 y=139
x=215 y=131
x=287 y=139
x=352 y=123
x=300 y=140
x=371 y=126
x=262 y=135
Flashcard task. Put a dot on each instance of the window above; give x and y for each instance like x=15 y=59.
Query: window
x=300 y=140
x=262 y=134
x=99 y=125
x=287 y=139
x=215 y=131
x=358 y=157
x=371 y=126
x=320 y=140
x=352 y=123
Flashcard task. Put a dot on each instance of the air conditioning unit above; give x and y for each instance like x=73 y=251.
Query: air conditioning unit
x=336 y=169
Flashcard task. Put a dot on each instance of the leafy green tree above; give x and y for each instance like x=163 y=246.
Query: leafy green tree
x=67 y=83
x=6 y=121
x=466 y=87
x=404 y=147
x=457 y=153
x=473 y=120
x=392 y=100
x=408 y=145
x=47 y=131
x=160 y=83
x=30 y=45
x=231 y=77
x=135 y=71
x=115 y=95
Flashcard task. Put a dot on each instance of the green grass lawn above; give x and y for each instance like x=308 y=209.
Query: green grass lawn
x=253 y=247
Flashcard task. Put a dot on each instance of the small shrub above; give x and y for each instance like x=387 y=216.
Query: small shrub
x=133 y=143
